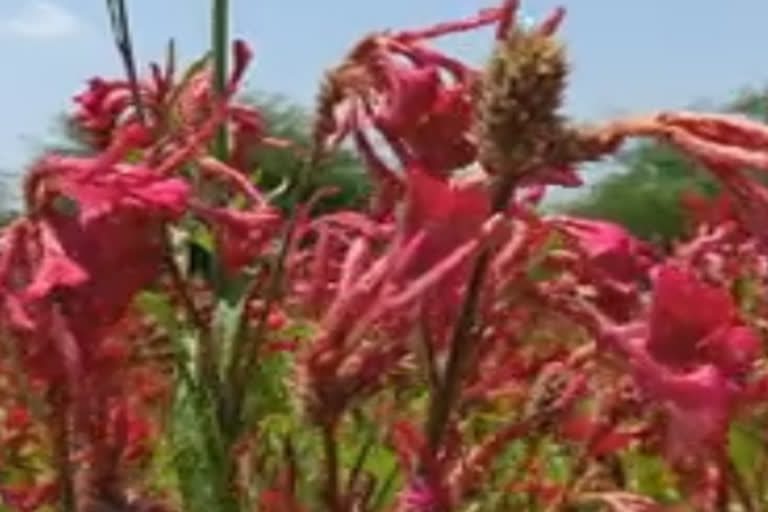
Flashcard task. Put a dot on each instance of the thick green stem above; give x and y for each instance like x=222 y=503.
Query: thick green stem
x=442 y=400
x=220 y=47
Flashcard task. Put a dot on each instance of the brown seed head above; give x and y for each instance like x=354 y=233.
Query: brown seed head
x=517 y=99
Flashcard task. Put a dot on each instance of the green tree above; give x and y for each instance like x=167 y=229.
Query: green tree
x=644 y=195
x=8 y=208
x=342 y=169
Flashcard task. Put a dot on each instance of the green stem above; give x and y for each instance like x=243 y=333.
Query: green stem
x=442 y=400
x=220 y=47
x=245 y=351
x=207 y=353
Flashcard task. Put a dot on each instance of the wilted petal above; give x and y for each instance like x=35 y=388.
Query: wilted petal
x=730 y=129
x=56 y=270
x=414 y=92
x=242 y=56
x=718 y=155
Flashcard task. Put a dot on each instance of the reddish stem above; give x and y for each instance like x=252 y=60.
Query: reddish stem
x=331 y=450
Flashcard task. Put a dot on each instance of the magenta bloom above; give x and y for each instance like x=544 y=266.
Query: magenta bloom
x=694 y=323
x=693 y=359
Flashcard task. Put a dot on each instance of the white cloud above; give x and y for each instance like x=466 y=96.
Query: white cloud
x=40 y=19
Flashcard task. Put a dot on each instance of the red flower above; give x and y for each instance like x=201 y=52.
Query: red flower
x=99 y=109
x=691 y=322
x=105 y=107
x=693 y=359
x=431 y=120
x=609 y=247
x=240 y=235
x=447 y=213
x=615 y=262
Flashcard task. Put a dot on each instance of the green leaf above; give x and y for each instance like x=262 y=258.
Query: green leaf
x=745 y=449
x=159 y=308
x=649 y=475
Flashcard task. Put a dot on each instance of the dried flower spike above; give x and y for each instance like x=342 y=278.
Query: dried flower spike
x=518 y=96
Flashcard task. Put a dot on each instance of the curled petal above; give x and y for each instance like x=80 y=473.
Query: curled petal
x=484 y=17
x=551 y=23
x=445 y=267
x=56 y=269
x=241 y=56
x=720 y=128
x=507 y=19
x=241 y=235
x=714 y=154
x=217 y=168
x=353 y=264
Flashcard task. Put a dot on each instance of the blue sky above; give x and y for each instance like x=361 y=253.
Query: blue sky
x=627 y=56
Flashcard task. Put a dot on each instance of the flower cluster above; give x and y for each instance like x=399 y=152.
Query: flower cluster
x=448 y=347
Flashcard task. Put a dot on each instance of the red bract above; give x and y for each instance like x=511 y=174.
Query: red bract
x=447 y=213
x=343 y=362
x=486 y=337
x=100 y=107
x=417 y=98
x=425 y=115
x=240 y=235
x=690 y=320
x=726 y=145
x=609 y=247
x=173 y=108
x=616 y=262
x=94 y=238
x=693 y=359
x=78 y=249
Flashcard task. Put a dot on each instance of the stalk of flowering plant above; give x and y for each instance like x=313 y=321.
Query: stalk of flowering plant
x=219 y=45
x=140 y=198
x=567 y=145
